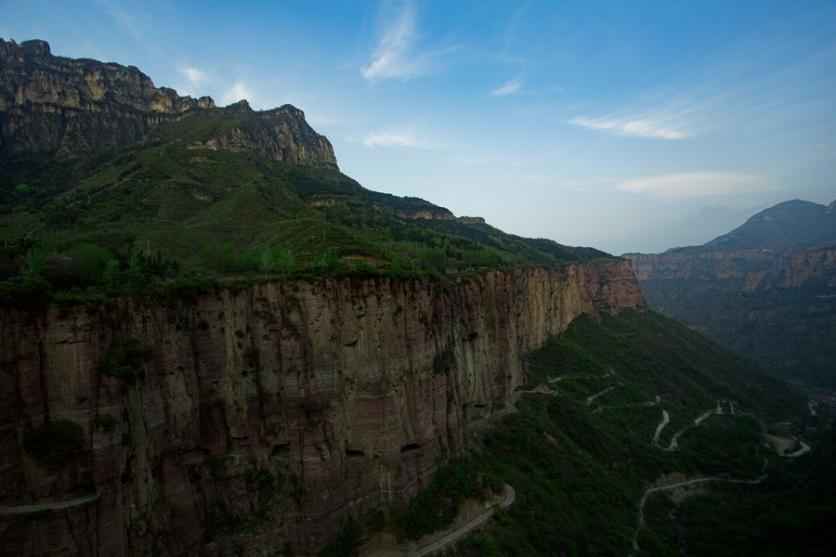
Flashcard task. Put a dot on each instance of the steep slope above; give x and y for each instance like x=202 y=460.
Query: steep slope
x=767 y=289
x=231 y=214
x=51 y=105
x=590 y=438
x=320 y=349
x=244 y=423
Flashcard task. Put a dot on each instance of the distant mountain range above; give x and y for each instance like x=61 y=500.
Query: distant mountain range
x=767 y=288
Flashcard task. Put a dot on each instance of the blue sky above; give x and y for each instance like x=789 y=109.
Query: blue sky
x=626 y=125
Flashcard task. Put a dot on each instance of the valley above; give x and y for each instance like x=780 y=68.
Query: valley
x=214 y=343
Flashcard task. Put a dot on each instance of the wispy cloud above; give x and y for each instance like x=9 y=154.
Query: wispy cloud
x=510 y=87
x=122 y=16
x=695 y=184
x=396 y=55
x=401 y=138
x=633 y=126
x=196 y=76
x=237 y=92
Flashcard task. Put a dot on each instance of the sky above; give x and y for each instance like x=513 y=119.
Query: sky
x=624 y=125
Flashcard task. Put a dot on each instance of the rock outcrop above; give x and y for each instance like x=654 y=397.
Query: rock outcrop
x=767 y=288
x=62 y=106
x=254 y=422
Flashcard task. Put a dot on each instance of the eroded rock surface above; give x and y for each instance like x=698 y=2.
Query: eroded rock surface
x=261 y=420
x=62 y=106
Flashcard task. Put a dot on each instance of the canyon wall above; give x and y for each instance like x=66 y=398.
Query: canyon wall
x=778 y=307
x=258 y=421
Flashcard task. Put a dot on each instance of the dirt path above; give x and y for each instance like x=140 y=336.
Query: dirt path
x=446 y=537
x=634 y=542
x=666 y=418
x=51 y=506
x=591 y=399
x=674 y=444
x=805 y=448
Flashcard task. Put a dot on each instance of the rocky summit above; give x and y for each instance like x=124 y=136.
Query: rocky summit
x=62 y=106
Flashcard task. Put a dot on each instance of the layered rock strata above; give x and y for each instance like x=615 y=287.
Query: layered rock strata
x=52 y=105
x=259 y=421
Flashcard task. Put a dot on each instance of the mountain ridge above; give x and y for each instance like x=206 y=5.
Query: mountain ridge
x=64 y=106
x=766 y=288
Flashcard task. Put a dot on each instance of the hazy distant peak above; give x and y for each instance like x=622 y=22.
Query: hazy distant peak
x=790 y=224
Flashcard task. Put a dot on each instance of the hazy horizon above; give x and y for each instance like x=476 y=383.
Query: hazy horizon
x=624 y=127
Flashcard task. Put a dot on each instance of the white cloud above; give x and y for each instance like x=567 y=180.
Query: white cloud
x=195 y=76
x=238 y=91
x=390 y=58
x=396 y=55
x=636 y=127
x=694 y=184
x=400 y=138
x=509 y=88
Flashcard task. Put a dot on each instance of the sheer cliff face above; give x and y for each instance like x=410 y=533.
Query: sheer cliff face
x=55 y=105
x=269 y=416
x=743 y=270
x=776 y=306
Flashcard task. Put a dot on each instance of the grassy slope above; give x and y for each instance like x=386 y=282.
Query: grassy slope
x=188 y=204
x=580 y=469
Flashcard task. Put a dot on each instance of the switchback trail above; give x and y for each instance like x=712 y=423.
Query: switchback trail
x=666 y=418
x=653 y=490
x=591 y=399
x=674 y=444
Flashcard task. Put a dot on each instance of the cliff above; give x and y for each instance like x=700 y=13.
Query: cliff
x=244 y=423
x=743 y=271
x=778 y=307
x=61 y=106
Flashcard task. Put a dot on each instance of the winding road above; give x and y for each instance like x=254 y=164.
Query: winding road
x=634 y=542
x=447 y=537
x=591 y=399
x=460 y=531
x=666 y=418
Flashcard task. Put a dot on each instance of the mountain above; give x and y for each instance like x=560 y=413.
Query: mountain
x=766 y=289
x=212 y=342
x=62 y=106
x=789 y=225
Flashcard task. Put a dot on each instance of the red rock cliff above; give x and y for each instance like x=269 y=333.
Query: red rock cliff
x=264 y=418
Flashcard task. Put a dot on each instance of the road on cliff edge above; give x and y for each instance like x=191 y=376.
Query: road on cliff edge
x=447 y=537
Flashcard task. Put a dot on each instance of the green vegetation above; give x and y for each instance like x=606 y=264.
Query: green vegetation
x=55 y=442
x=579 y=468
x=436 y=506
x=124 y=359
x=106 y=422
x=158 y=218
x=790 y=514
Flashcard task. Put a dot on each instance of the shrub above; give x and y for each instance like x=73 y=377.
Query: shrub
x=31 y=291
x=91 y=261
x=277 y=259
x=122 y=359
x=61 y=271
x=55 y=442
x=106 y=422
